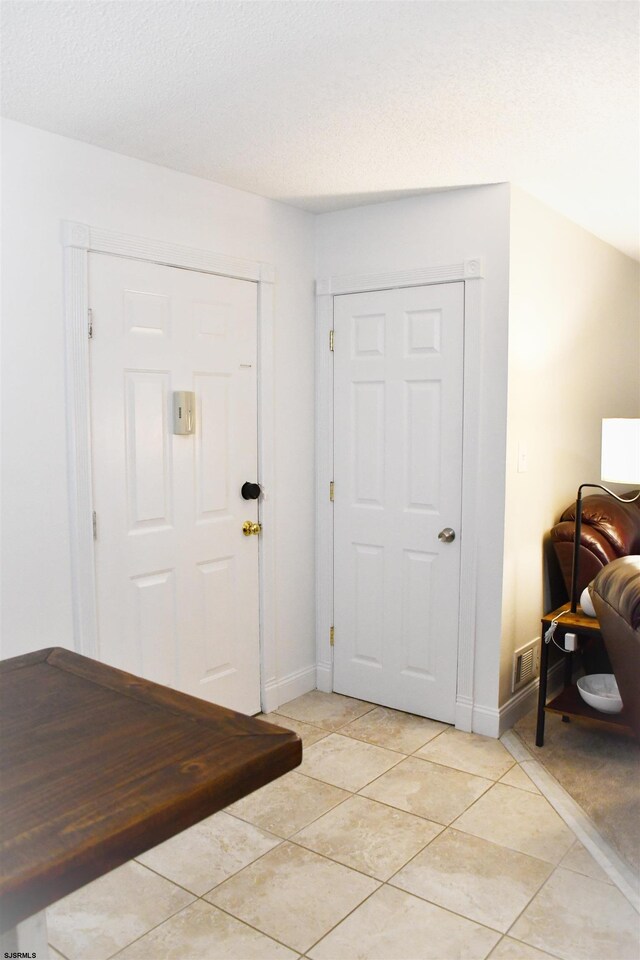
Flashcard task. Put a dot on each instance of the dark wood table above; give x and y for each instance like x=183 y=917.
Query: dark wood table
x=569 y=704
x=97 y=766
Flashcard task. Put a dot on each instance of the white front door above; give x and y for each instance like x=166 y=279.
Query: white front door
x=398 y=474
x=177 y=581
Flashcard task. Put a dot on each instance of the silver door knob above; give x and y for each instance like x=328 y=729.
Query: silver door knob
x=447 y=535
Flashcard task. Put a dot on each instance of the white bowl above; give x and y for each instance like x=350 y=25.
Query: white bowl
x=600 y=691
x=587 y=603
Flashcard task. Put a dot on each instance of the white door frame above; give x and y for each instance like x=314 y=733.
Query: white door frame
x=78 y=240
x=471 y=272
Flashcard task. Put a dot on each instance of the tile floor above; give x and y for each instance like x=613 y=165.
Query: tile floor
x=398 y=838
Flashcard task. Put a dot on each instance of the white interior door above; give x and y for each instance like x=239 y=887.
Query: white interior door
x=177 y=581
x=398 y=366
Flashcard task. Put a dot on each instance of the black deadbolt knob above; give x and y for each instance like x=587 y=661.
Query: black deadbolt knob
x=250 y=491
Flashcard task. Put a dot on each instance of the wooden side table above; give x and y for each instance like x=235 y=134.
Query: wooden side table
x=569 y=703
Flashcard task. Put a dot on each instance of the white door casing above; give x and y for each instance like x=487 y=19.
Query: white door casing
x=78 y=240
x=176 y=580
x=398 y=472
x=471 y=272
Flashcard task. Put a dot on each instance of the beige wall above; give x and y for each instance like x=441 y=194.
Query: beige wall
x=574 y=358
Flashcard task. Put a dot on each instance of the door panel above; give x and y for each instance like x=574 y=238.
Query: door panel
x=398 y=471
x=177 y=582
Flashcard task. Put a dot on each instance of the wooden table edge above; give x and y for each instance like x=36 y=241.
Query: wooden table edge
x=277 y=751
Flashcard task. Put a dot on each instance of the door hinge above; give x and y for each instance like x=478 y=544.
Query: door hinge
x=331 y=636
x=331 y=491
x=331 y=340
x=94 y=521
x=90 y=323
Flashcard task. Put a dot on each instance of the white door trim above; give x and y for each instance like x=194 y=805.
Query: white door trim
x=471 y=272
x=78 y=240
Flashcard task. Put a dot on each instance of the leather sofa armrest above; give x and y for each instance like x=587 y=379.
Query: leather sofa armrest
x=590 y=538
x=618 y=587
x=617 y=523
x=616 y=598
x=595 y=552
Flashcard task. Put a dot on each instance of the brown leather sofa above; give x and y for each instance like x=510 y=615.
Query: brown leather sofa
x=616 y=597
x=610 y=529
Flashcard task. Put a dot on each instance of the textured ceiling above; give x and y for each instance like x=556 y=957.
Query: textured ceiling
x=329 y=104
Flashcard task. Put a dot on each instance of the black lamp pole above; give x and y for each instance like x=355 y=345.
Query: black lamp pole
x=578 y=529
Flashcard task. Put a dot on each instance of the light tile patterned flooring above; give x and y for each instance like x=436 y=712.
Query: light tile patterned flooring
x=398 y=838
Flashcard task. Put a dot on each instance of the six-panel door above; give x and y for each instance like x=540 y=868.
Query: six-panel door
x=398 y=473
x=177 y=582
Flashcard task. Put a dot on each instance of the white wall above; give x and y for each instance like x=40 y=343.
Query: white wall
x=574 y=358
x=445 y=228
x=46 y=179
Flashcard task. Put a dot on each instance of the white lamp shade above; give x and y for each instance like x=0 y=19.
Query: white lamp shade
x=621 y=451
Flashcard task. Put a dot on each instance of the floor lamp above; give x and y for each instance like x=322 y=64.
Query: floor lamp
x=620 y=463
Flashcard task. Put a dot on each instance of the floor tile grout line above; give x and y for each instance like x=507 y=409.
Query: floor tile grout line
x=112 y=956
x=381 y=883
x=504 y=845
x=498 y=846
x=448 y=766
x=340 y=733
x=314 y=820
x=342 y=919
x=291 y=837
x=301 y=847
x=280 y=841
x=577 y=821
x=246 y=923
x=163 y=876
x=342 y=730
x=382 y=746
x=452 y=823
x=320 y=815
x=416 y=897
x=331 y=730
x=411 y=859
x=530 y=901
x=53 y=947
x=408 y=756
x=504 y=933
x=524 y=909
x=554 y=956
x=372 y=707
x=412 y=813
x=348 y=866
x=389 y=880
x=318 y=779
x=453 y=913
x=445 y=766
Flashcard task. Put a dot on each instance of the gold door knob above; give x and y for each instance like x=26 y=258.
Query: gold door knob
x=250 y=528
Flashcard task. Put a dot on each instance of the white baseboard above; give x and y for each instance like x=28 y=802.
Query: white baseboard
x=492 y=722
x=487 y=721
x=324 y=677
x=277 y=692
x=464 y=714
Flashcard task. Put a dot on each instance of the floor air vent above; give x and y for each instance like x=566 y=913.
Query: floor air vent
x=525 y=664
